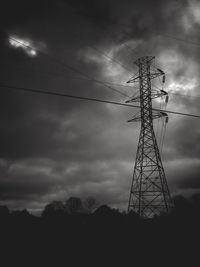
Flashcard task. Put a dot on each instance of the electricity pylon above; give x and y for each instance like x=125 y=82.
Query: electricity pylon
x=149 y=194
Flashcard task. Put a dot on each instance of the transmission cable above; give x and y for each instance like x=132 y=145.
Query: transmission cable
x=166 y=35
x=40 y=91
x=175 y=38
x=184 y=95
x=70 y=67
x=105 y=29
x=110 y=58
x=32 y=70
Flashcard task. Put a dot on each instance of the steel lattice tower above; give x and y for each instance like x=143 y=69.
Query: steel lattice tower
x=149 y=194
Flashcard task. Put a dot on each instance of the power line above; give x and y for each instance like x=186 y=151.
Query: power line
x=32 y=70
x=63 y=95
x=132 y=50
x=69 y=67
x=112 y=59
x=106 y=30
x=192 y=96
x=40 y=91
x=163 y=138
x=104 y=54
x=166 y=35
x=175 y=38
x=178 y=94
x=103 y=83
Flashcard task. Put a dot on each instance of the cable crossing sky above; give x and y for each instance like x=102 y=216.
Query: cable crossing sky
x=41 y=91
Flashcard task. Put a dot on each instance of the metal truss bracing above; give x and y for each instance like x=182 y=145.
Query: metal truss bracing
x=149 y=194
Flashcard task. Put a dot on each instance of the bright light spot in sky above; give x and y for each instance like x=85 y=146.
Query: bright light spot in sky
x=26 y=45
x=33 y=52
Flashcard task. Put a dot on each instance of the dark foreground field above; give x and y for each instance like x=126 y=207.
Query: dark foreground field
x=105 y=237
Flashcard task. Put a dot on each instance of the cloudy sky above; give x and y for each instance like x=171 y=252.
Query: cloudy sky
x=51 y=147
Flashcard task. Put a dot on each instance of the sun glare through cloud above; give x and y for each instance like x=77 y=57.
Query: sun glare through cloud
x=24 y=44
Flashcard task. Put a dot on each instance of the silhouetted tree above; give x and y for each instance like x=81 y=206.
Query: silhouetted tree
x=74 y=205
x=133 y=215
x=21 y=215
x=53 y=209
x=196 y=199
x=181 y=203
x=90 y=204
x=196 y=205
x=4 y=211
x=105 y=210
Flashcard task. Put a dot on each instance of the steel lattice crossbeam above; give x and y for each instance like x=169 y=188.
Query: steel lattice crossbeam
x=149 y=194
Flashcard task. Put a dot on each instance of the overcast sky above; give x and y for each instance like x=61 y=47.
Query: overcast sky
x=52 y=148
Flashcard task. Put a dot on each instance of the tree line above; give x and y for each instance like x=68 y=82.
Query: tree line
x=75 y=206
x=76 y=229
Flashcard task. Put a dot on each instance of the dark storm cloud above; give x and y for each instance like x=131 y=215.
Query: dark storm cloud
x=53 y=148
x=23 y=180
x=186 y=139
x=13 y=13
x=190 y=179
x=184 y=175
